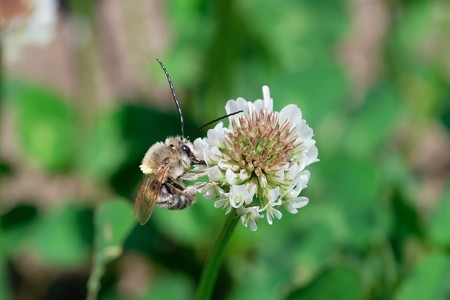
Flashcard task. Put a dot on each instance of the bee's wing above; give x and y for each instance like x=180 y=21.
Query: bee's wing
x=148 y=193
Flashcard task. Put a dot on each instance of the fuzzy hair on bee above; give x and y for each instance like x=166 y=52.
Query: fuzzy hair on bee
x=165 y=166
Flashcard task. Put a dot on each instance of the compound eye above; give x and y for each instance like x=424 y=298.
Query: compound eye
x=186 y=149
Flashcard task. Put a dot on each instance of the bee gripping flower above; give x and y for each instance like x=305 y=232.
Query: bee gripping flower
x=258 y=164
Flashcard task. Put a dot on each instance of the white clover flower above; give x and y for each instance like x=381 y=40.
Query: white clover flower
x=249 y=216
x=257 y=164
x=26 y=22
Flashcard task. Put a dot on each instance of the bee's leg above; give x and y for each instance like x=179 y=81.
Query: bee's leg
x=175 y=184
x=199 y=185
x=192 y=176
x=195 y=161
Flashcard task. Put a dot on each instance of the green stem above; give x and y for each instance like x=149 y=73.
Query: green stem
x=214 y=260
x=98 y=269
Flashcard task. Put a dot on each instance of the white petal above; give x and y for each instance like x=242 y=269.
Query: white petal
x=212 y=155
x=256 y=106
x=292 y=172
x=220 y=203
x=239 y=195
x=252 y=187
x=199 y=146
x=279 y=176
x=303 y=179
x=272 y=212
x=292 y=114
x=273 y=195
x=298 y=185
x=209 y=191
x=249 y=216
x=223 y=203
x=252 y=225
x=225 y=164
x=292 y=205
x=301 y=202
x=304 y=131
x=216 y=135
x=268 y=101
x=244 y=174
x=231 y=106
x=311 y=155
x=231 y=177
x=269 y=219
x=215 y=154
x=277 y=213
x=215 y=174
x=236 y=105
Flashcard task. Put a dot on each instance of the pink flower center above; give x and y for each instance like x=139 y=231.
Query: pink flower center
x=260 y=144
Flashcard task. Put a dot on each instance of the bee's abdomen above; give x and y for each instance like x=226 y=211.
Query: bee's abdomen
x=183 y=202
x=174 y=198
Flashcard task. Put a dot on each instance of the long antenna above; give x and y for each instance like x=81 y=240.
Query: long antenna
x=213 y=121
x=172 y=89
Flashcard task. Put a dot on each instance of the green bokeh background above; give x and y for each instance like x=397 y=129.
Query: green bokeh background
x=377 y=224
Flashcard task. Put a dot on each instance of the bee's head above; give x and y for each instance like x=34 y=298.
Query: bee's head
x=184 y=148
x=180 y=145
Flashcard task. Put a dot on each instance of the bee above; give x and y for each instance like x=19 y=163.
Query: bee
x=165 y=166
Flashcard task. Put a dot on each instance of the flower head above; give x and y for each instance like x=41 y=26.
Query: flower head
x=258 y=163
x=26 y=22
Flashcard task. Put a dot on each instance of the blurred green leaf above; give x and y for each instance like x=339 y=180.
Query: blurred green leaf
x=420 y=70
x=373 y=124
x=5 y=292
x=318 y=90
x=415 y=26
x=341 y=282
x=194 y=24
x=429 y=280
x=307 y=241
x=354 y=187
x=397 y=172
x=407 y=225
x=257 y=285
x=446 y=113
x=438 y=222
x=113 y=223
x=105 y=148
x=261 y=273
x=174 y=286
x=17 y=225
x=195 y=225
x=5 y=168
x=322 y=229
x=302 y=38
x=379 y=270
x=112 y=294
x=56 y=237
x=192 y=20
x=46 y=125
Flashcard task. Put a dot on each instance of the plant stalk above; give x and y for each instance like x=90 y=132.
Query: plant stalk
x=215 y=258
